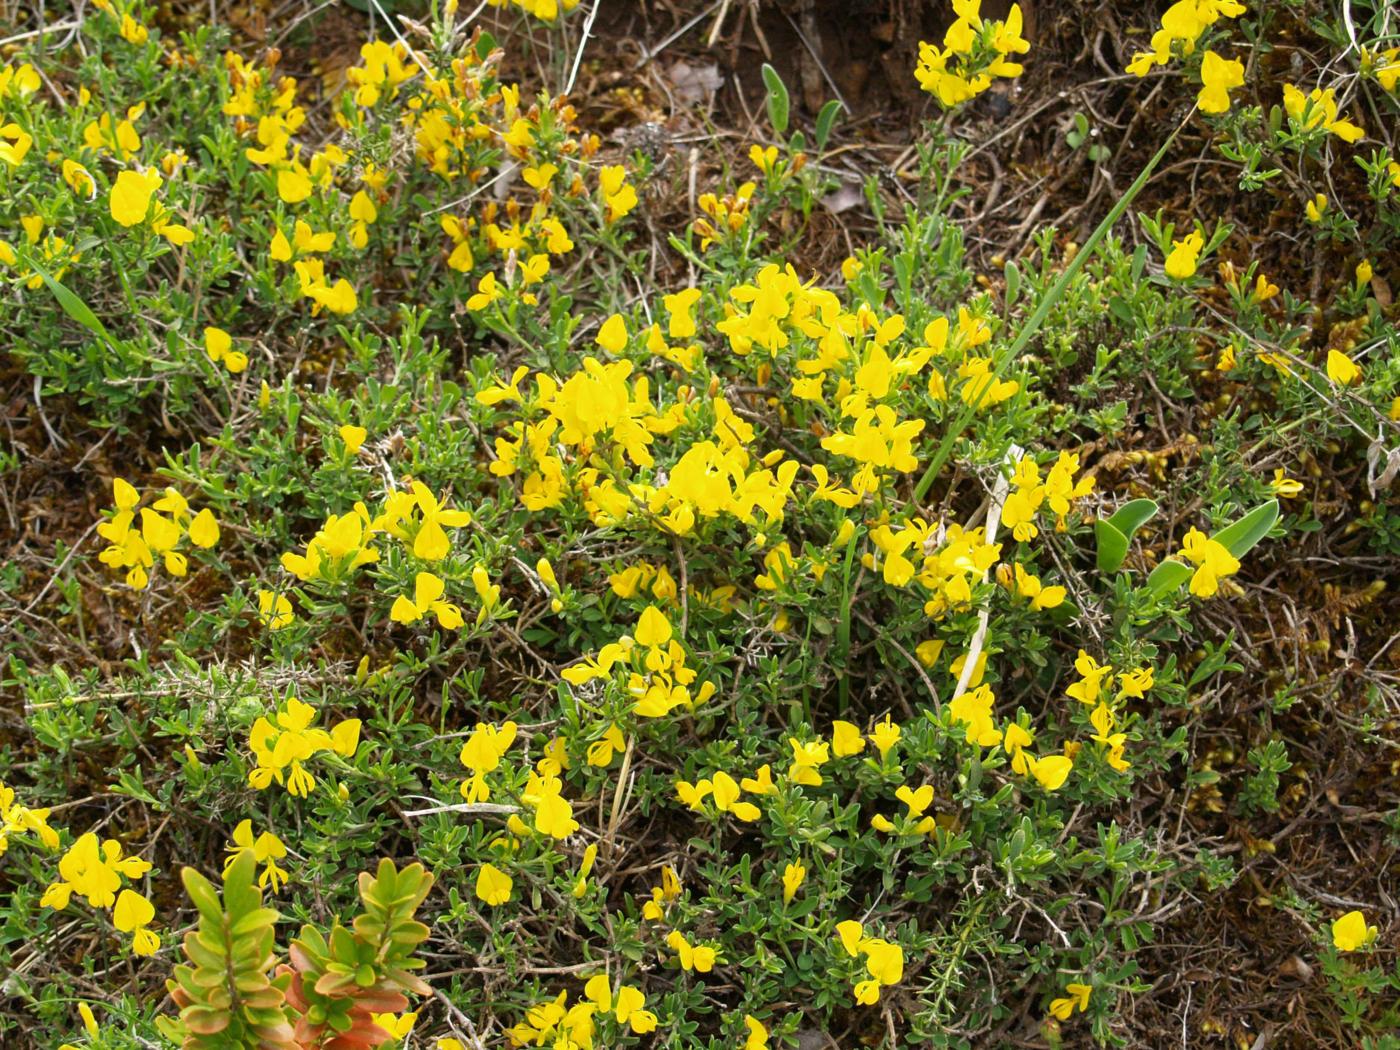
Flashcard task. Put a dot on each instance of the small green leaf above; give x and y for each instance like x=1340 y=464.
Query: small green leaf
x=826 y=120
x=778 y=104
x=1013 y=284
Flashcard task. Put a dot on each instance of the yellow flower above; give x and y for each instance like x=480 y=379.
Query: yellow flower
x=1181 y=262
x=1213 y=562
x=793 y=875
x=763 y=159
x=267 y=849
x=757 y=1038
x=353 y=436
x=1319 y=108
x=1218 y=76
x=204 y=529
x=293 y=185
x=131 y=194
x=131 y=914
x=1077 y=998
x=1051 y=771
x=846 y=739
x=274 y=610
x=133 y=32
x=1135 y=683
x=612 y=336
x=700 y=957
x=218 y=344
x=1350 y=933
x=427 y=598
x=1364 y=272
x=1342 y=369
x=1284 y=486
x=884 y=736
x=493 y=886
x=1316 y=208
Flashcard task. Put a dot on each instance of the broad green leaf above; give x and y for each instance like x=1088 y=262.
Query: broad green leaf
x=1133 y=515
x=1241 y=536
x=1168 y=576
x=778 y=104
x=1115 y=533
x=1112 y=546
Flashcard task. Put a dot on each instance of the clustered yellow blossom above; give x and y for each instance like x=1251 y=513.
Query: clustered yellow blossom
x=554 y=1023
x=95 y=870
x=1104 y=716
x=654 y=660
x=52 y=252
x=481 y=754
x=1318 y=108
x=15 y=82
x=131 y=203
x=267 y=112
x=884 y=960
x=267 y=850
x=345 y=542
x=162 y=526
x=975 y=51
x=1182 y=25
x=724 y=216
x=1058 y=491
x=285 y=743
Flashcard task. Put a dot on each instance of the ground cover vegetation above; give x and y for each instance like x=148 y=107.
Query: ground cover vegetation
x=489 y=567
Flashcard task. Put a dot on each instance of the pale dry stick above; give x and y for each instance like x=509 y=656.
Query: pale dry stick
x=979 y=637
x=582 y=45
x=400 y=38
x=41 y=31
x=622 y=778
x=457 y=1013
x=649 y=53
x=719 y=22
x=495 y=809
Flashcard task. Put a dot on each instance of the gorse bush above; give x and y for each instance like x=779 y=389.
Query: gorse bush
x=723 y=652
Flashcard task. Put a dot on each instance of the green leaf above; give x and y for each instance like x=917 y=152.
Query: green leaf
x=778 y=104
x=202 y=892
x=826 y=120
x=72 y=305
x=1115 y=533
x=1112 y=546
x=1013 y=284
x=1241 y=536
x=240 y=895
x=1133 y=515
